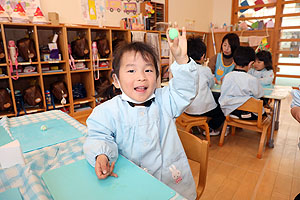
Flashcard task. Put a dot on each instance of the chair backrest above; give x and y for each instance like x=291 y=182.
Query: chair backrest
x=254 y=105
x=197 y=151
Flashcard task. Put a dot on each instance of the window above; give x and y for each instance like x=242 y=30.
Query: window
x=286 y=46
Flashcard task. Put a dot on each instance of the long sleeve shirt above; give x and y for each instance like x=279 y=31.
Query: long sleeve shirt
x=264 y=76
x=204 y=101
x=296 y=98
x=236 y=89
x=148 y=135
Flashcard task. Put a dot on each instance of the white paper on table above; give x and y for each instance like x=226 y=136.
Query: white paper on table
x=11 y=154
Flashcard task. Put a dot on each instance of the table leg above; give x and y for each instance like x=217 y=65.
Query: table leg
x=271 y=142
x=277 y=116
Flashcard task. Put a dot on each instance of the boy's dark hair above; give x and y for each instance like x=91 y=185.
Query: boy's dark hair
x=144 y=49
x=196 y=48
x=233 y=40
x=266 y=57
x=243 y=56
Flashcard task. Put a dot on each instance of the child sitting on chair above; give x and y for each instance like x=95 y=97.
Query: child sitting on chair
x=204 y=104
x=238 y=86
x=262 y=68
x=139 y=124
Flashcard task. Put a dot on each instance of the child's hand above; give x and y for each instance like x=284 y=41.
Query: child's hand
x=217 y=82
x=178 y=47
x=102 y=167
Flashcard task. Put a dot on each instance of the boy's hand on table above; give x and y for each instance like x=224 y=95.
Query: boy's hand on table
x=178 y=47
x=102 y=167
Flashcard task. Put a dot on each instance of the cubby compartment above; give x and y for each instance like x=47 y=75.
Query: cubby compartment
x=101 y=57
x=3 y=71
x=82 y=87
x=2 y=49
x=79 y=44
x=51 y=44
x=6 y=100
x=24 y=38
x=118 y=37
x=28 y=99
x=56 y=91
x=104 y=89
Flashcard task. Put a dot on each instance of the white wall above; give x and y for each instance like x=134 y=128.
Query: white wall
x=199 y=10
x=221 y=12
x=202 y=11
x=69 y=10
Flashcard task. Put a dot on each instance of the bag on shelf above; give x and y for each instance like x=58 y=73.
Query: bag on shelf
x=103 y=47
x=80 y=48
x=59 y=91
x=105 y=90
x=26 y=49
x=5 y=100
x=33 y=96
x=79 y=91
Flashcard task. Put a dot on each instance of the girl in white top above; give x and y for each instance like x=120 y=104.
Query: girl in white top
x=262 y=68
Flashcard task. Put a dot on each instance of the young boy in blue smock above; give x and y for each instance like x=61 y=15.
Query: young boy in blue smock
x=238 y=86
x=204 y=104
x=140 y=123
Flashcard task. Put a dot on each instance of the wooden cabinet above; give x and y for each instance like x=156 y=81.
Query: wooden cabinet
x=157 y=16
x=48 y=71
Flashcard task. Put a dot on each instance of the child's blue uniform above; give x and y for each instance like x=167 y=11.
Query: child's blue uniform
x=264 y=76
x=147 y=135
x=296 y=98
x=221 y=69
x=236 y=89
x=204 y=101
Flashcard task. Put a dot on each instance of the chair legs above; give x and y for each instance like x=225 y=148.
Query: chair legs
x=233 y=130
x=262 y=142
x=207 y=134
x=223 y=134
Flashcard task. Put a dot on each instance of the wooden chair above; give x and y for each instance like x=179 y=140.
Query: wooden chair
x=197 y=153
x=188 y=121
x=262 y=124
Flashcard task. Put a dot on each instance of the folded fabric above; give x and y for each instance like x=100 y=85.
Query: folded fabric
x=255 y=40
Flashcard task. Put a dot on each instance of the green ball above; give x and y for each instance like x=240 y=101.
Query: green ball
x=173 y=33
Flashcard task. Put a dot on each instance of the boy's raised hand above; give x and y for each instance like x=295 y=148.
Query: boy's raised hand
x=102 y=167
x=178 y=47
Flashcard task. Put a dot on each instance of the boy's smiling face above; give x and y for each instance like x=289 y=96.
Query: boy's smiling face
x=137 y=77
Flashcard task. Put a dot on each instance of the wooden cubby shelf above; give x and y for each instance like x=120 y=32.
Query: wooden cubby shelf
x=48 y=71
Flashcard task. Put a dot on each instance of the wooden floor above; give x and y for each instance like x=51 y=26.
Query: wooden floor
x=234 y=172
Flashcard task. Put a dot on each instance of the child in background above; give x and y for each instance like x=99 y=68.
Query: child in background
x=204 y=103
x=295 y=105
x=140 y=123
x=238 y=86
x=222 y=63
x=262 y=68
